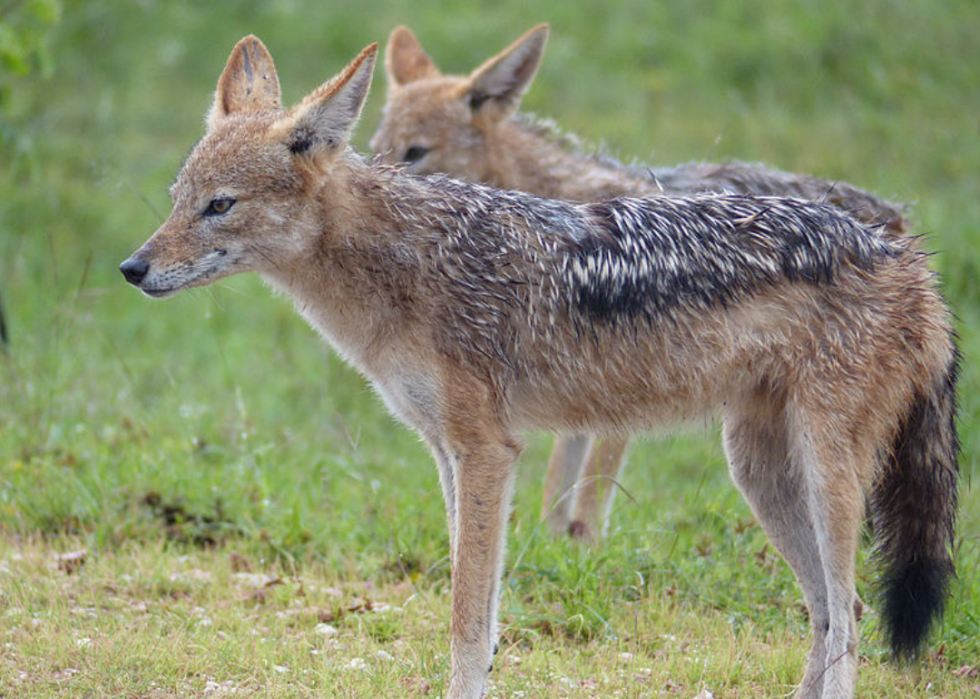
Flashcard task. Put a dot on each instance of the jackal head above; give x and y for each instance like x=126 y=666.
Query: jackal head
x=243 y=200
x=443 y=123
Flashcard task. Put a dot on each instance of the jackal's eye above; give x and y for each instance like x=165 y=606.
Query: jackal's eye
x=415 y=153
x=218 y=207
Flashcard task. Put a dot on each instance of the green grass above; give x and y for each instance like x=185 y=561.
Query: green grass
x=214 y=432
x=145 y=621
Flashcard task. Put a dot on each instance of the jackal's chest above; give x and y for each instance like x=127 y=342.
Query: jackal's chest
x=353 y=330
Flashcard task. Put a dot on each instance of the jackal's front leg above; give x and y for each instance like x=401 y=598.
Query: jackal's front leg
x=483 y=455
x=597 y=488
x=565 y=466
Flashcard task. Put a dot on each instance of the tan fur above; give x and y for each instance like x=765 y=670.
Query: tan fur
x=428 y=109
x=471 y=340
x=487 y=144
x=248 y=84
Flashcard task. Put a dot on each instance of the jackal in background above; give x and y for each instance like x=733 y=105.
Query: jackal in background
x=467 y=126
x=477 y=313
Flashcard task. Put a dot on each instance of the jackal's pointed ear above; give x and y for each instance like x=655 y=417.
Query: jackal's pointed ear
x=503 y=80
x=325 y=118
x=248 y=84
x=405 y=61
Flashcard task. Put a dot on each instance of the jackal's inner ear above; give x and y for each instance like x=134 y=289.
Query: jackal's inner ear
x=405 y=61
x=325 y=118
x=249 y=82
x=504 y=79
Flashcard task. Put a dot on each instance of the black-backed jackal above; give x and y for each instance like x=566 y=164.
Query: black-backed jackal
x=478 y=312
x=468 y=126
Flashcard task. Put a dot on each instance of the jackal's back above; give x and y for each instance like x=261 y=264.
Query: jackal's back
x=652 y=257
x=513 y=274
x=646 y=259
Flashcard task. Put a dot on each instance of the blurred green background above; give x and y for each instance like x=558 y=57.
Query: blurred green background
x=221 y=408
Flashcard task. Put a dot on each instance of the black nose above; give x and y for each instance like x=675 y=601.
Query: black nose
x=134 y=269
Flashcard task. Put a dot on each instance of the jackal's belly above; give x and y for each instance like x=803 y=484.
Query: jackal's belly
x=601 y=413
x=630 y=391
x=644 y=378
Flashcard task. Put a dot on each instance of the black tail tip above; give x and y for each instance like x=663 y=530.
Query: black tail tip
x=913 y=599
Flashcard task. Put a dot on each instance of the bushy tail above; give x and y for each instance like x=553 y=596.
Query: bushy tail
x=914 y=509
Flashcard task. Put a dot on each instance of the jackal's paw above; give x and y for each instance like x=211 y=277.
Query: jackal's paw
x=577 y=529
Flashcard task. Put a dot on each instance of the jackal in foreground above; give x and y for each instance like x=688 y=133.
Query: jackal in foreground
x=477 y=313
x=468 y=126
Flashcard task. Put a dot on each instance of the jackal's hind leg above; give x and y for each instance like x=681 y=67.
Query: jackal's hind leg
x=757 y=443
x=836 y=507
x=597 y=488
x=565 y=467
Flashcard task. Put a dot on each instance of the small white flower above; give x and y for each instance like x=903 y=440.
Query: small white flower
x=356 y=664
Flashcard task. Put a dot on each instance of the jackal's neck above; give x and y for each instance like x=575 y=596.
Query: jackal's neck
x=524 y=156
x=349 y=274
